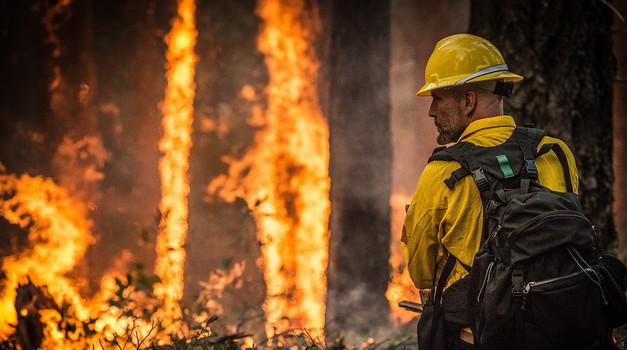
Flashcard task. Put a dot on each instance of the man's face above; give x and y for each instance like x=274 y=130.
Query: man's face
x=446 y=110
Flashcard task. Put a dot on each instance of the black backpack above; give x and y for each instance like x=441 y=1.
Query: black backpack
x=537 y=281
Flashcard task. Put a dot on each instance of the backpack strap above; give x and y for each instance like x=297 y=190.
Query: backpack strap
x=444 y=275
x=436 y=299
x=446 y=272
x=448 y=155
x=528 y=139
x=477 y=173
x=463 y=154
x=561 y=156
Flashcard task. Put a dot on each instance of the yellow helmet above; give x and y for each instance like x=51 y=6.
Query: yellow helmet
x=464 y=58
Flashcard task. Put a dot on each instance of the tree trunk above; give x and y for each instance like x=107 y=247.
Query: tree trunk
x=620 y=127
x=25 y=103
x=564 y=51
x=129 y=60
x=360 y=166
x=228 y=61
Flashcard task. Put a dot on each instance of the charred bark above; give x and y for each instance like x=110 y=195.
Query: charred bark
x=358 y=109
x=564 y=51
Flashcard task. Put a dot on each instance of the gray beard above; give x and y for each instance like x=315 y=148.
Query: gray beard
x=445 y=138
x=449 y=137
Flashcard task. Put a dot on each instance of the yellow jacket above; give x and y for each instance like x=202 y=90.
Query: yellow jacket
x=440 y=220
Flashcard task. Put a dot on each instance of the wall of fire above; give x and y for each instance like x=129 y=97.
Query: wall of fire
x=82 y=105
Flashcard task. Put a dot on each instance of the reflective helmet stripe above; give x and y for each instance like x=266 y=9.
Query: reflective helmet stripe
x=484 y=71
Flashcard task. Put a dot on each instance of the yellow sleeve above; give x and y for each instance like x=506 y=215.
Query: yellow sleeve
x=440 y=220
x=550 y=171
x=419 y=236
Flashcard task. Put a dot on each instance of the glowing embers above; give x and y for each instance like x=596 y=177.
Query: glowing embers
x=175 y=145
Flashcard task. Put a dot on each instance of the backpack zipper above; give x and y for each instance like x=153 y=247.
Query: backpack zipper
x=485 y=280
x=529 y=285
x=543 y=217
x=496 y=232
x=533 y=284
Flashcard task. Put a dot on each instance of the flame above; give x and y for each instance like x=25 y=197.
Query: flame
x=287 y=182
x=59 y=236
x=213 y=290
x=175 y=145
x=400 y=286
x=294 y=208
x=59 y=231
x=287 y=187
x=295 y=236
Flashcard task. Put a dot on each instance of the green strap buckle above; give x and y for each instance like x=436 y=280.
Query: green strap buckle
x=504 y=164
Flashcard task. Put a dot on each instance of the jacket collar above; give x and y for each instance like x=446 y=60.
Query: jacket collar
x=480 y=126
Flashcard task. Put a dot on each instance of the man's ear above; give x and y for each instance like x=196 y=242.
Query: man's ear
x=470 y=102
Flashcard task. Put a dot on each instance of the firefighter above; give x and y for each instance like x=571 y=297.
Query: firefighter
x=467 y=79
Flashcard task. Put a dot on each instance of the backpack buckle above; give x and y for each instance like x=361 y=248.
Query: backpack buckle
x=517 y=285
x=493 y=206
x=532 y=171
x=480 y=179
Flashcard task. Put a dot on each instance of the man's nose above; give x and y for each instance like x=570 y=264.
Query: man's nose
x=432 y=110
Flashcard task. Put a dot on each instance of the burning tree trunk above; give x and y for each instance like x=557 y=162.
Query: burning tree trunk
x=564 y=51
x=360 y=166
x=128 y=53
x=230 y=77
x=284 y=178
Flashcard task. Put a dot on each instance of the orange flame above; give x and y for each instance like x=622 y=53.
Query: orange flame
x=400 y=286
x=175 y=145
x=59 y=231
x=288 y=185
x=59 y=236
